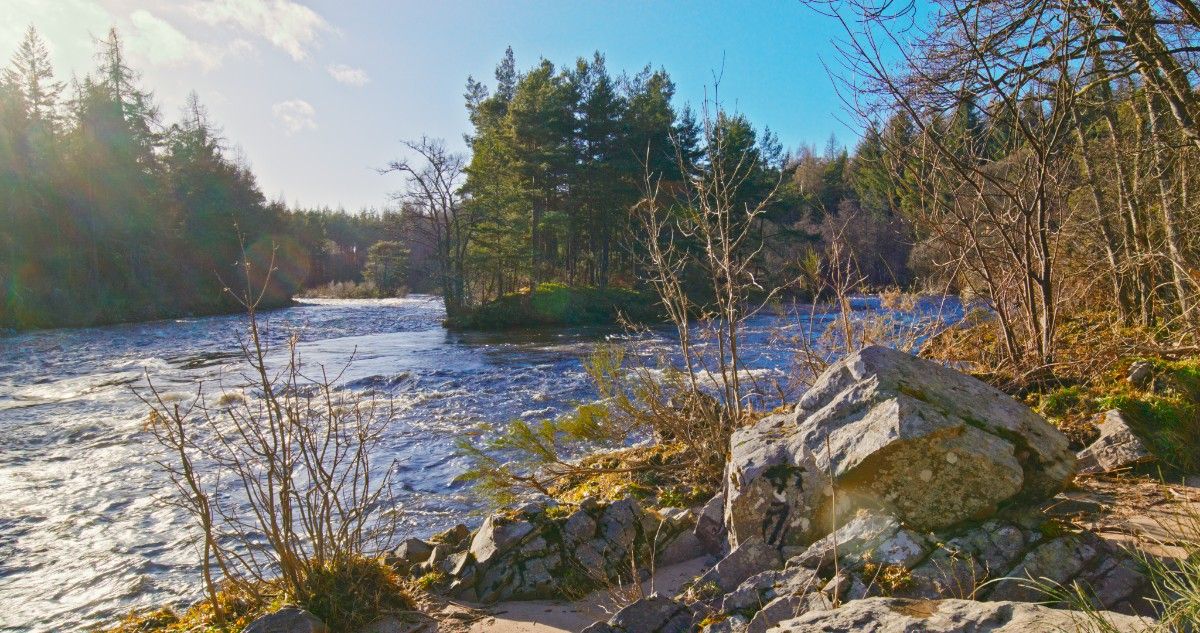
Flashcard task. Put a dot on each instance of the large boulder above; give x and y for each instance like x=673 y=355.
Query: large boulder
x=887 y=431
x=897 y=615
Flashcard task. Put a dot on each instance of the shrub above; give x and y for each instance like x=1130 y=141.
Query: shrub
x=354 y=592
x=691 y=430
x=300 y=511
x=345 y=290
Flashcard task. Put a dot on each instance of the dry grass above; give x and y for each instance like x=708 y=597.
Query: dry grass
x=346 y=598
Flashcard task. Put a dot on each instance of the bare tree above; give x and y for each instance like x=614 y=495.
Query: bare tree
x=432 y=193
x=724 y=241
x=1109 y=84
x=278 y=470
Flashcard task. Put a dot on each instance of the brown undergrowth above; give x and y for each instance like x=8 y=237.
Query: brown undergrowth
x=346 y=598
x=1089 y=377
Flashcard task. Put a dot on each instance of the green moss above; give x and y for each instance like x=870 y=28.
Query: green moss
x=1169 y=425
x=683 y=496
x=889 y=578
x=551 y=304
x=913 y=393
x=1056 y=527
x=432 y=580
x=707 y=591
x=559 y=512
x=1061 y=401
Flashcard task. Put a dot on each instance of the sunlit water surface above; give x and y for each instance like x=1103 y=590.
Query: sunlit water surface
x=85 y=534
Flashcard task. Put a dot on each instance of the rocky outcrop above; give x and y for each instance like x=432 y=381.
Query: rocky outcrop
x=898 y=615
x=887 y=431
x=289 y=619
x=1117 y=447
x=896 y=477
x=998 y=559
x=547 y=550
x=895 y=615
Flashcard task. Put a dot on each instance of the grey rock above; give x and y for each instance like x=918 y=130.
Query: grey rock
x=1117 y=447
x=1116 y=580
x=496 y=536
x=537 y=577
x=710 y=525
x=536 y=506
x=533 y=547
x=289 y=619
x=732 y=624
x=684 y=546
x=749 y=558
x=455 y=563
x=654 y=614
x=457 y=537
x=579 y=527
x=412 y=551
x=784 y=608
x=439 y=555
x=760 y=589
x=1141 y=373
x=966 y=560
x=677 y=518
x=618 y=524
x=1057 y=561
x=750 y=594
x=590 y=555
x=928 y=445
x=898 y=615
x=868 y=537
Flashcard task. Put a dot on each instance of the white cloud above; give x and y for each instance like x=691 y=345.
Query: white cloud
x=289 y=26
x=348 y=75
x=295 y=115
x=156 y=41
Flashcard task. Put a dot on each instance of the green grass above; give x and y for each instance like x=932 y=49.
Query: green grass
x=1166 y=416
x=552 y=304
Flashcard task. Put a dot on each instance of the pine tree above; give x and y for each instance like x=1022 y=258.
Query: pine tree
x=33 y=75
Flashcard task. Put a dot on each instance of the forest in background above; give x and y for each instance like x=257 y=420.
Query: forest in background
x=109 y=214
x=559 y=161
x=112 y=215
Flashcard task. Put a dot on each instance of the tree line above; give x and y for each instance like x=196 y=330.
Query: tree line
x=112 y=215
x=108 y=214
x=1044 y=154
x=558 y=161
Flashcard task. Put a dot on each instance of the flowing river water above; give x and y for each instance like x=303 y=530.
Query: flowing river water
x=85 y=532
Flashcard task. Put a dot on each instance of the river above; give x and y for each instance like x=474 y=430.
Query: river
x=85 y=534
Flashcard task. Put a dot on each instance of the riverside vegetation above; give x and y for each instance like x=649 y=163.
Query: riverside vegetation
x=1037 y=159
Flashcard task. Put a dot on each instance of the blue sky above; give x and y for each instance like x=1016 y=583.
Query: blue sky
x=317 y=93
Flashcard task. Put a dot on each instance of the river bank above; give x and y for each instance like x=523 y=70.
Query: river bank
x=902 y=519
x=106 y=541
